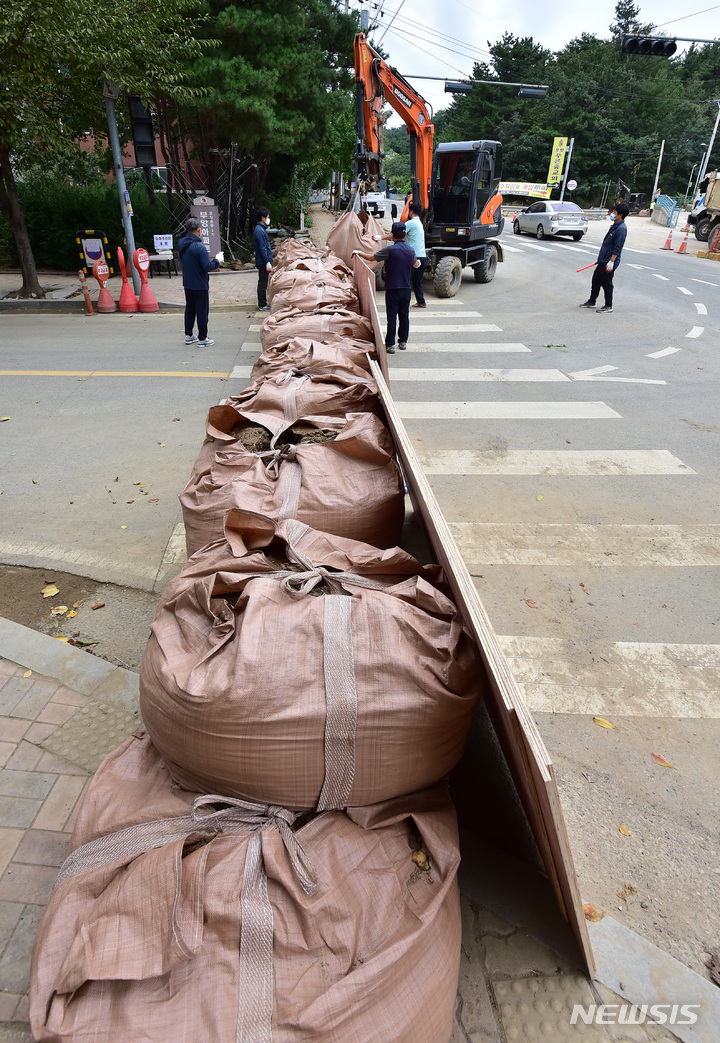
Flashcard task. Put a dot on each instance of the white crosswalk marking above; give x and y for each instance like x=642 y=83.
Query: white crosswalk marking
x=695 y=332
x=588 y=546
x=705 y=283
x=511 y=249
x=491 y=347
x=701 y=309
x=470 y=327
x=536 y=246
x=506 y=411
x=566 y=462
x=420 y=314
x=683 y=289
x=663 y=353
x=399 y=373
x=656 y=276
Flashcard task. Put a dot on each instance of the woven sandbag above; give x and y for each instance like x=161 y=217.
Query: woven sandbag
x=278 y=403
x=180 y=919
x=292 y=322
x=290 y=250
x=326 y=292
x=350 y=486
x=352 y=232
x=252 y=687
x=291 y=353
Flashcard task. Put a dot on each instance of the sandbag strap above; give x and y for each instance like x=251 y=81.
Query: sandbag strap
x=340 y=703
x=272 y=459
x=237 y=817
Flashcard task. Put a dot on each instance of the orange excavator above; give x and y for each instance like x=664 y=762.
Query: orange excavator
x=456 y=183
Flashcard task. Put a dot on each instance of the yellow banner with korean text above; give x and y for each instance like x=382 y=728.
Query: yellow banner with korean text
x=557 y=160
x=524 y=188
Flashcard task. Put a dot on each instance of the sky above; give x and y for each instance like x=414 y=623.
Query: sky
x=446 y=37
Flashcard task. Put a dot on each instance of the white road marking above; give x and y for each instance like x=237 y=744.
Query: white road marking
x=563 y=462
x=536 y=246
x=592 y=372
x=470 y=327
x=506 y=411
x=468 y=375
x=684 y=289
x=642 y=267
x=251 y=345
x=578 y=249
x=663 y=353
x=420 y=314
x=600 y=374
x=695 y=332
x=634 y=250
x=491 y=347
x=241 y=372
x=588 y=546
x=656 y=276
x=511 y=249
x=701 y=309
x=705 y=282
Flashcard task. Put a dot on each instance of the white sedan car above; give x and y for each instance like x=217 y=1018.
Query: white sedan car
x=546 y=218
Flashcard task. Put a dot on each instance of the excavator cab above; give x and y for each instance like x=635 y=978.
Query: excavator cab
x=464 y=202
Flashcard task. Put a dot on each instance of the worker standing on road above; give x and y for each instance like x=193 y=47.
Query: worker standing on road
x=415 y=237
x=608 y=259
x=263 y=255
x=196 y=263
x=399 y=261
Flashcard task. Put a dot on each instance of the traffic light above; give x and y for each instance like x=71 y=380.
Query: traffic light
x=142 y=132
x=458 y=87
x=660 y=46
x=532 y=92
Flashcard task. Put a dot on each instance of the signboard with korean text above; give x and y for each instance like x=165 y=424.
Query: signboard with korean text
x=92 y=245
x=206 y=212
x=162 y=242
x=524 y=188
x=557 y=159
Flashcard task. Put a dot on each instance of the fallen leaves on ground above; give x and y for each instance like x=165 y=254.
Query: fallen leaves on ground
x=603 y=722
x=539 y=496
x=625 y=832
x=72 y=613
x=659 y=759
x=27 y=673
x=50 y=591
x=77 y=604
x=59 y=610
x=530 y=603
x=175 y=419
x=59 y=637
x=420 y=859
x=627 y=890
x=3 y=419
x=593 y=913
x=97 y=604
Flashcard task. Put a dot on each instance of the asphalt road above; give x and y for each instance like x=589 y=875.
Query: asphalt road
x=576 y=457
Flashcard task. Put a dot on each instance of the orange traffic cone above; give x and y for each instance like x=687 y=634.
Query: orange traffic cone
x=683 y=245
x=668 y=242
x=86 y=292
x=128 y=301
x=147 y=301
x=105 y=304
x=514 y=215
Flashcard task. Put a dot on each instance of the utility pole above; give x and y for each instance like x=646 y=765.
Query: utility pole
x=111 y=93
x=703 y=169
x=567 y=168
x=657 y=172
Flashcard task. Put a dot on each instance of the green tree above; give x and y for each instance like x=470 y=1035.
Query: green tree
x=54 y=56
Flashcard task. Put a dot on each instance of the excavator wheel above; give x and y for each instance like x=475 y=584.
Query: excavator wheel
x=448 y=276
x=485 y=270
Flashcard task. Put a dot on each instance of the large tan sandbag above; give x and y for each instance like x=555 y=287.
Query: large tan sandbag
x=352 y=232
x=321 y=292
x=292 y=322
x=290 y=353
x=350 y=486
x=278 y=403
x=255 y=686
x=194 y=921
x=290 y=250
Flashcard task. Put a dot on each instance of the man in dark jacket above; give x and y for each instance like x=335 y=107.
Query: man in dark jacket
x=263 y=255
x=196 y=263
x=608 y=259
x=399 y=261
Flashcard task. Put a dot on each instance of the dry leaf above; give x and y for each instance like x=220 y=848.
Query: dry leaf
x=129 y=501
x=71 y=613
x=35 y=482
x=603 y=722
x=175 y=419
x=116 y=479
x=59 y=610
x=420 y=859
x=539 y=497
x=530 y=603
x=123 y=526
x=59 y=637
x=142 y=484
x=592 y=913
x=659 y=759
x=625 y=832
x=136 y=483
x=50 y=591
x=156 y=500
x=97 y=604
x=77 y=604
x=161 y=444
x=27 y=673
x=627 y=890
x=3 y=419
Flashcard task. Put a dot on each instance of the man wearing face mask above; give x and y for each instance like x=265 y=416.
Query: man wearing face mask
x=263 y=256
x=608 y=259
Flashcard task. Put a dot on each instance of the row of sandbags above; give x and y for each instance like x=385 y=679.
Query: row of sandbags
x=275 y=860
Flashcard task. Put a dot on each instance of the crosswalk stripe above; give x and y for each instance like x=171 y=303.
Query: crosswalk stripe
x=488 y=348
x=701 y=309
x=634 y=250
x=240 y=372
x=663 y=277
x=511 y=249
x=420 y=314
x=536 y=246
x=470 y=327
x=588 y=546
x=684 y=289
x=505 y=411
x=695 y=332
x=565 y=462
x=705 y=282
x=469 y=375
x=663 y=353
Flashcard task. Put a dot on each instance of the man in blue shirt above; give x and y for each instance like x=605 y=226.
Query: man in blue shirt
x=399 y=259
x=608 y=259
x=263 y=256
x=196 y=264
x=415 y=237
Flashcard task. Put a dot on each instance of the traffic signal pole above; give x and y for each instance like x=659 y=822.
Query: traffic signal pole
x=703 y=170
x=110 y=94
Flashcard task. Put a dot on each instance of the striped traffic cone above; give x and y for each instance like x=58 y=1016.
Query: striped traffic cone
x=683 y=244
x=668 y=242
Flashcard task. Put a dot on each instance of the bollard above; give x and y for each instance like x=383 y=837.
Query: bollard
x=88 y=303
x=147 y=301
x=105 y=304
x=128 y=301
